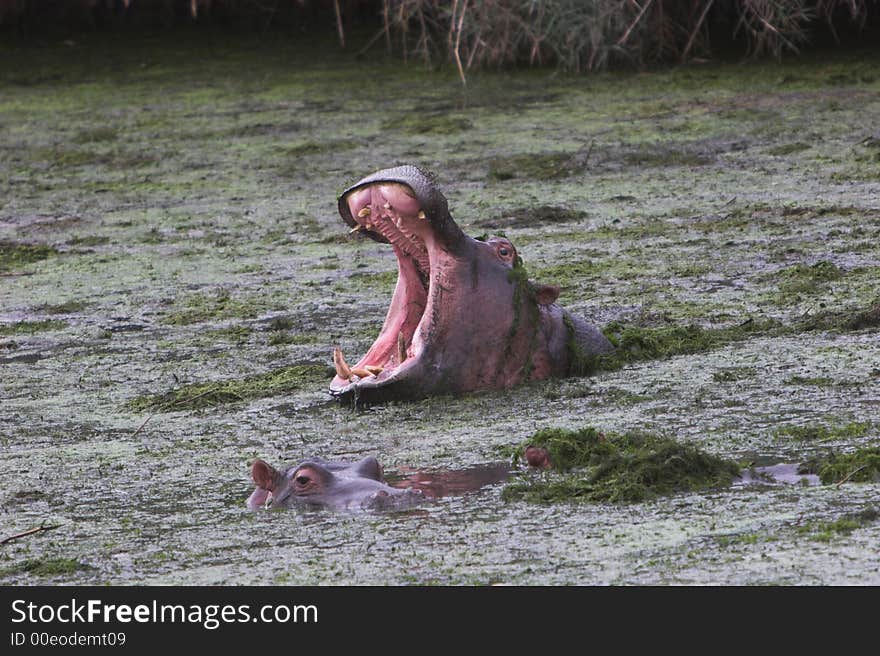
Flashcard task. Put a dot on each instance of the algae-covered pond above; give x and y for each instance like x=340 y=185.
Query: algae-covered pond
x=174 y=277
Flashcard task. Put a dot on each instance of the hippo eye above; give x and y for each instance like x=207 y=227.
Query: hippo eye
x=303 y=480
x=504 y=251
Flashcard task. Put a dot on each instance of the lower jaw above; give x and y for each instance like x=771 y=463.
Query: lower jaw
x=406 y=382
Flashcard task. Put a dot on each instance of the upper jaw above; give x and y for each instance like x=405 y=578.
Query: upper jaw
x=400 y=206
x=428 y=197
x=388 y=210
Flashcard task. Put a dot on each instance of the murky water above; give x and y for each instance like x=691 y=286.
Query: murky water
x=186 y=192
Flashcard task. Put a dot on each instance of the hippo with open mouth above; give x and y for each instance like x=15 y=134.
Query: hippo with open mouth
x=463 y=316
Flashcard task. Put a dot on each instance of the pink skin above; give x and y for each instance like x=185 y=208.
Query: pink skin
x=489 y=354
x=537 y=457
x=462 y=314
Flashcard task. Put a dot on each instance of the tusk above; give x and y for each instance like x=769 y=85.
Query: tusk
x=364 y=211
x=374 y=369
x=342 y=369
x=401 y=348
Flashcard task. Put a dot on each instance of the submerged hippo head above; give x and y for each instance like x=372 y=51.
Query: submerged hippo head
x=318 y=483
x=463 y=315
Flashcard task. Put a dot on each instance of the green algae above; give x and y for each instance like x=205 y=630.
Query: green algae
x=284 y=380
x=44 y=567
x=31 y=327
x=219 y=304
x=843 y=526
x=652 y=156
x=860 y=466
x=421 y=123
x=317 y=148
x=523 y=217
x=617 y=468
x=14 y=255
x=805 y=279
x=788 y=149
x=823 y=433
x=731 y=374
x=538 y=166
x=634 y=343
x=858 y=318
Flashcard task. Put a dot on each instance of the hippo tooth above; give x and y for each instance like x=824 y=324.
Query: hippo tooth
x=357 y=228
x=364 y=211
x=342 y=369
x=387 y=205
x=422 y=214
x=401 y=348
x=362 y=373
x=374 y=369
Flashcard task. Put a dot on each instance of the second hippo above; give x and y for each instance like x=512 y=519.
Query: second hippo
x=336 y=485
x=463 y=315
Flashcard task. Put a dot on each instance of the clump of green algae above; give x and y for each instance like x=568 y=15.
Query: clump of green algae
x=822 y=433
x=46 y=567
x=619 y=468
x=30 y=327
x=826 y=531
x=861 y=466
x=200 y=395
x=545 y=166
x=635 y=343
x=13 y=255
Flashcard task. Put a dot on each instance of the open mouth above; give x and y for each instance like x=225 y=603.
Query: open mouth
x=390 y=212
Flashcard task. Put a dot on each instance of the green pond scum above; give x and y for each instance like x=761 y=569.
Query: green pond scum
x=174 y=277
x=861 y=466
x=597 y=467
x=283 y=380
x=842 y=527
x=15 y=256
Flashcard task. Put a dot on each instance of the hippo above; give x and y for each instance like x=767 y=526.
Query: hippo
x=318 y=483
x=463 y=316
x=360 y=485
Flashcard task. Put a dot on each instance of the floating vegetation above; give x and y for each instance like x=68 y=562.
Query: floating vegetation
x=218 y=305
x=14 y=255
x=532 y=216
x=45 y=567
x=201 y=395
x=29 y=327
x=803 y=278
x=592 y=466
x=421 y=123
x=820 y=433
x=825 y=531
x=635 y=343
x=541 y=166
x=862 y=466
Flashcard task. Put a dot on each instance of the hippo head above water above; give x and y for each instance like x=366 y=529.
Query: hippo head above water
x=318 y=483
x=463 y=315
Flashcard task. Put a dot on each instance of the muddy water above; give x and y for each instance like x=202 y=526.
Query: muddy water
x=183 y=191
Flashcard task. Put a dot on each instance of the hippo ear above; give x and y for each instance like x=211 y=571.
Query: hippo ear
x=369 y=467
x=264 y=474
x=546 y=294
